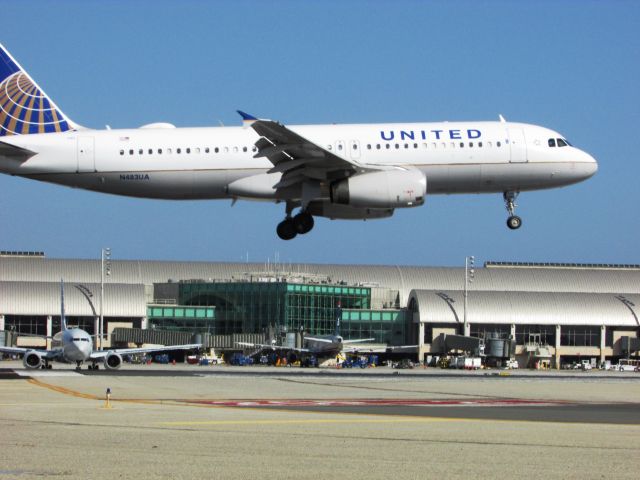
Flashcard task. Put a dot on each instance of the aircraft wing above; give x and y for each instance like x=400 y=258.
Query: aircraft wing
x=358 y=340
x=99 y=354
x=298 y=159
x=47 y=354
x=271 y=347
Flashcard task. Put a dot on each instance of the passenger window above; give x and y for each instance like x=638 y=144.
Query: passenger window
x=368 y=146
x=151 y=151
x=377 y=146
x=354 y=146
x=434 y=145
x=552 y=142
x=244 y=149
x=498 y=144
x=226 y=149
x=188 y=150
x=397 y=146
x=159 y=151
x=480 y=144
x=140 y=152
x=388 y=146
x=121 y=152
x=216 y=150
x=254 y=149
x=406 y=145
x=197 y=150
x=339 y=146
x=328 y=147
x=178 y=150
x=461 y=144
x=169 y=151
x=562 y=143
x=470 y=144
x=206 y=150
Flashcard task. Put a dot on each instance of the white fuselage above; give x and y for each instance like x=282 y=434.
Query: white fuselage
x=201 y=163
x=76 y=345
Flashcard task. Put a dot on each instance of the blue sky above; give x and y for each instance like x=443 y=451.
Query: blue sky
x=572 y=66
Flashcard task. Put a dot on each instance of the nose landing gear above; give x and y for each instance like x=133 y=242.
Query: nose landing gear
x=291 y=226
x=513 y=221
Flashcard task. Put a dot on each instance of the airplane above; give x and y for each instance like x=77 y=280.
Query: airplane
x=357 y=171
x=323 y=346
x=76 y=346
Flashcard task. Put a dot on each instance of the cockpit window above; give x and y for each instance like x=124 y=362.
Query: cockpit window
x=552 y=142
x=562 y=143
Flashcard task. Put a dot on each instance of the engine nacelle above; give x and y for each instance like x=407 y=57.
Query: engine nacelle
x=112 y=361
x=384 y=189
x=32 y=360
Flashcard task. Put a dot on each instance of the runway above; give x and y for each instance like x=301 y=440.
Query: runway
x=188 y=423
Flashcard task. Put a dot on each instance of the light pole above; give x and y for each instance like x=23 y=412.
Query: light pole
x=105 y=268
x=88 y=294
x=469 y=273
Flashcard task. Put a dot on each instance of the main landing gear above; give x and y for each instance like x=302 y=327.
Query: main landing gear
x=291 y=226
x=513 y=222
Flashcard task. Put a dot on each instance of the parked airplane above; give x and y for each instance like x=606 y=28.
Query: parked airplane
x=76 y=346
x=323 y=346
x=362 y=171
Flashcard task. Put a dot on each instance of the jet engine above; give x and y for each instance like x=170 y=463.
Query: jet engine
x=383 y=189
x=112 y=361
x=32 y=360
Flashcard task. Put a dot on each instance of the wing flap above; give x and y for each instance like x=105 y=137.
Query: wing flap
x=300 y=160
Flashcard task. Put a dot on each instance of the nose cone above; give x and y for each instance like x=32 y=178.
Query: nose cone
x=586 y=166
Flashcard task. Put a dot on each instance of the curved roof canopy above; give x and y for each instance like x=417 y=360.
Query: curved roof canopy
x=531 y=308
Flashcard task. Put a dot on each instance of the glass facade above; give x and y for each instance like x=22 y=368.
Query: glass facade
x=580 y=336
x=181 y=318
x=386 y=326
x=536 y=334
x=257 y=307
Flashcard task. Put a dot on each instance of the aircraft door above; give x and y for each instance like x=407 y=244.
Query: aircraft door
x=86 y=155
x=354 y=149
x=517 y=145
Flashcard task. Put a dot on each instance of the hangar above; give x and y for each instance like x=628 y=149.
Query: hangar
x=554 y=313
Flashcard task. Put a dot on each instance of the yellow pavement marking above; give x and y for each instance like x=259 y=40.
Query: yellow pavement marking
x=63 y=390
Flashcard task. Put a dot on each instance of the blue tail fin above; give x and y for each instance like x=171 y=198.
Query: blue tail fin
x=24 y=107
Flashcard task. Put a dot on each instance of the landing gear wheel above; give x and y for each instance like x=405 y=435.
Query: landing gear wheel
x=514 y=222
x=303 y=222
x=286 y=229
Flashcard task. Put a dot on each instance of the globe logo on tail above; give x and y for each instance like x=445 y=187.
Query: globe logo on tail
x=24 y=109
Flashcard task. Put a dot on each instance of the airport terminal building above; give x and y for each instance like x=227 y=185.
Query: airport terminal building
x=544 y=314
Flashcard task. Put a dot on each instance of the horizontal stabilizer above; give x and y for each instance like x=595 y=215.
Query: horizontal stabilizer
x=15 y=153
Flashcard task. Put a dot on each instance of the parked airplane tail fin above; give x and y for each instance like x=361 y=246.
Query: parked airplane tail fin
x=24 y=107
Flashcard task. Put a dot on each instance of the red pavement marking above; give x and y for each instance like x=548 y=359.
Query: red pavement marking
x=373 y=402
